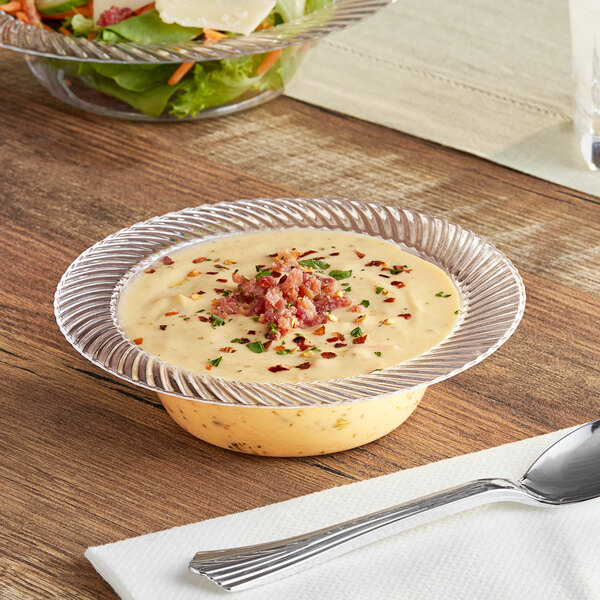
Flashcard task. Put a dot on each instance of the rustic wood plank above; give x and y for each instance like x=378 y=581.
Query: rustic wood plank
x=87 y=459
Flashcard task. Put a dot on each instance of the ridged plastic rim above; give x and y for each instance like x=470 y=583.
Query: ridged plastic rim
x=18 y=36
x=492 y=297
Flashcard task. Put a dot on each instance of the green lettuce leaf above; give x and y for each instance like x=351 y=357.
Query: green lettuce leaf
x=147 y=28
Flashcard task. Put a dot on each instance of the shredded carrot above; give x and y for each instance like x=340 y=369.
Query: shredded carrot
x=87 y=10
x=92 y=35
x=13 y=6
x=213 y=34
x=22 y=16
x=182 y=69
x=64 y=31
x=270 y=59
x=264 y=25
x=144 y=9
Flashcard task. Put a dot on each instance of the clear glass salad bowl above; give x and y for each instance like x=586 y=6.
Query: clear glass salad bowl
x=290 y=419
x=103 y=77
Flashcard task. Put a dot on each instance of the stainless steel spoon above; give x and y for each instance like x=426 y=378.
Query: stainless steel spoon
x=569 y=471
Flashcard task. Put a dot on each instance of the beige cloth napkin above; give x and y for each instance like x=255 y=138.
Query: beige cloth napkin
x=501 y=551
x=491 y=78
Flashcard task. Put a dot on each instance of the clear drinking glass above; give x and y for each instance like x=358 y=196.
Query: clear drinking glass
x=585 y=56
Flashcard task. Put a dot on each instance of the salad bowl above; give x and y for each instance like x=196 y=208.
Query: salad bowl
x=143 y=69
x=296 y=418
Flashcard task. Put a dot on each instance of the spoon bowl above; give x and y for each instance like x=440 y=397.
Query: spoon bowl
x=567 y=472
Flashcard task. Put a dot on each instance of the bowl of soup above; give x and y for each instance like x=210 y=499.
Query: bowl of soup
x=289 y=327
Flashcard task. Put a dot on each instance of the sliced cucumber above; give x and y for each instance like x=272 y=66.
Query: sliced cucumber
x=56 y=7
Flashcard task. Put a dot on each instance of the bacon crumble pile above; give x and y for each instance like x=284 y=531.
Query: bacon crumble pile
x=285 y=296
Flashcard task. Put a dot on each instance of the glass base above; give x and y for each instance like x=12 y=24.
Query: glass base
x=72 y=90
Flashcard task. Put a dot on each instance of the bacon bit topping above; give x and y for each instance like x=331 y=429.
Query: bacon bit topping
x=388 y=322
x=149 y=271
x=203 y=319
x=304 y=365
x=339 y=345
x=359 y=254
x=398 y=284
x=138 y=341
x=278 y=368
x=196 y=296
x=227 y=349
x=193 y=273
x=166 y=260
x=199 y=259
x=320 y=330
x=376 y=263
x=170 y=314
x=390 y=300
x=162 y=327
x=405 y=316
x=212 y=272
x=360 y=340
x=230 y=261
x=328 y=354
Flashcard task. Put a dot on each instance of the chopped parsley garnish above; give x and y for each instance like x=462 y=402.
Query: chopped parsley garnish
x=186 y=318
x=199 y=311
x=337 y=274
x=291 y=304
x=313 y=263
x=315 y=349
x=378 y=290
x=356 y=332
x=283 y=351
x=261 y=272
x=236 y=341
x=256 y=347
x=442 y=295
x=272 y=327
x=215 y=362
x=227 y=293
x=216 y=321
x=377 y=353
x=348 y=289
x=364 y=303
x=254 y=317
x=394 y=271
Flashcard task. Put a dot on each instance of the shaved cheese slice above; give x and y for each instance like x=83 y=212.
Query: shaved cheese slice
x=237 y=16
x=101 y=5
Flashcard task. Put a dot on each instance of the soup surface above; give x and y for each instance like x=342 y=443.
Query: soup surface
x=293 y=305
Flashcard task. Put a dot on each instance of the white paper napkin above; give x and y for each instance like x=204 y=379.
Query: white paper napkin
x=505 y=551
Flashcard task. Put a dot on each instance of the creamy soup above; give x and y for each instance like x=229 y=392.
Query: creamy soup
x=294 y=305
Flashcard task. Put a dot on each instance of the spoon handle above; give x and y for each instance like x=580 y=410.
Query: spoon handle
x=242 y=568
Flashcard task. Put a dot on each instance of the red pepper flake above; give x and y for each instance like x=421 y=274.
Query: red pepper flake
x=328 y=354
x=332 y=339
x=334 y=254
x=227 y=349
x=162 y=327
x=307 y=253
x=339 y=336
x=398 y=284
x=222 y=280
x=360 y=340
x=359 y=254
x=283 y=279
x=402 y=269
x=390 y=300
x=203 y=319
x=375 y=263
x=170 y=314
x=149 y=271
x=219 y=290
x=384 y=276
x=279 y=348
x=272 y=255
x=267 y=344
x=200 y=292
x=209 y=367
x=138 y=341
x=199 y=259
x=193 y=273
x=339 y=345
x=278 y=368
x=251 y=332
x=299 y=339
x=406 y=316
x=167 y=261
x=274 y=273
x=320 y=330
x=304 y=365
x=212 y=272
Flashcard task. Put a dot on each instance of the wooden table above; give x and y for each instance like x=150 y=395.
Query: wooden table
x=88 y=460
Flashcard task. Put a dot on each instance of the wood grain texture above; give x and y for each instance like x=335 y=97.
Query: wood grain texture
x=88 y=460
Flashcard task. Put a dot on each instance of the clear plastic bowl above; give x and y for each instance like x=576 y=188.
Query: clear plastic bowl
x=65 y=64
x=290 y=419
